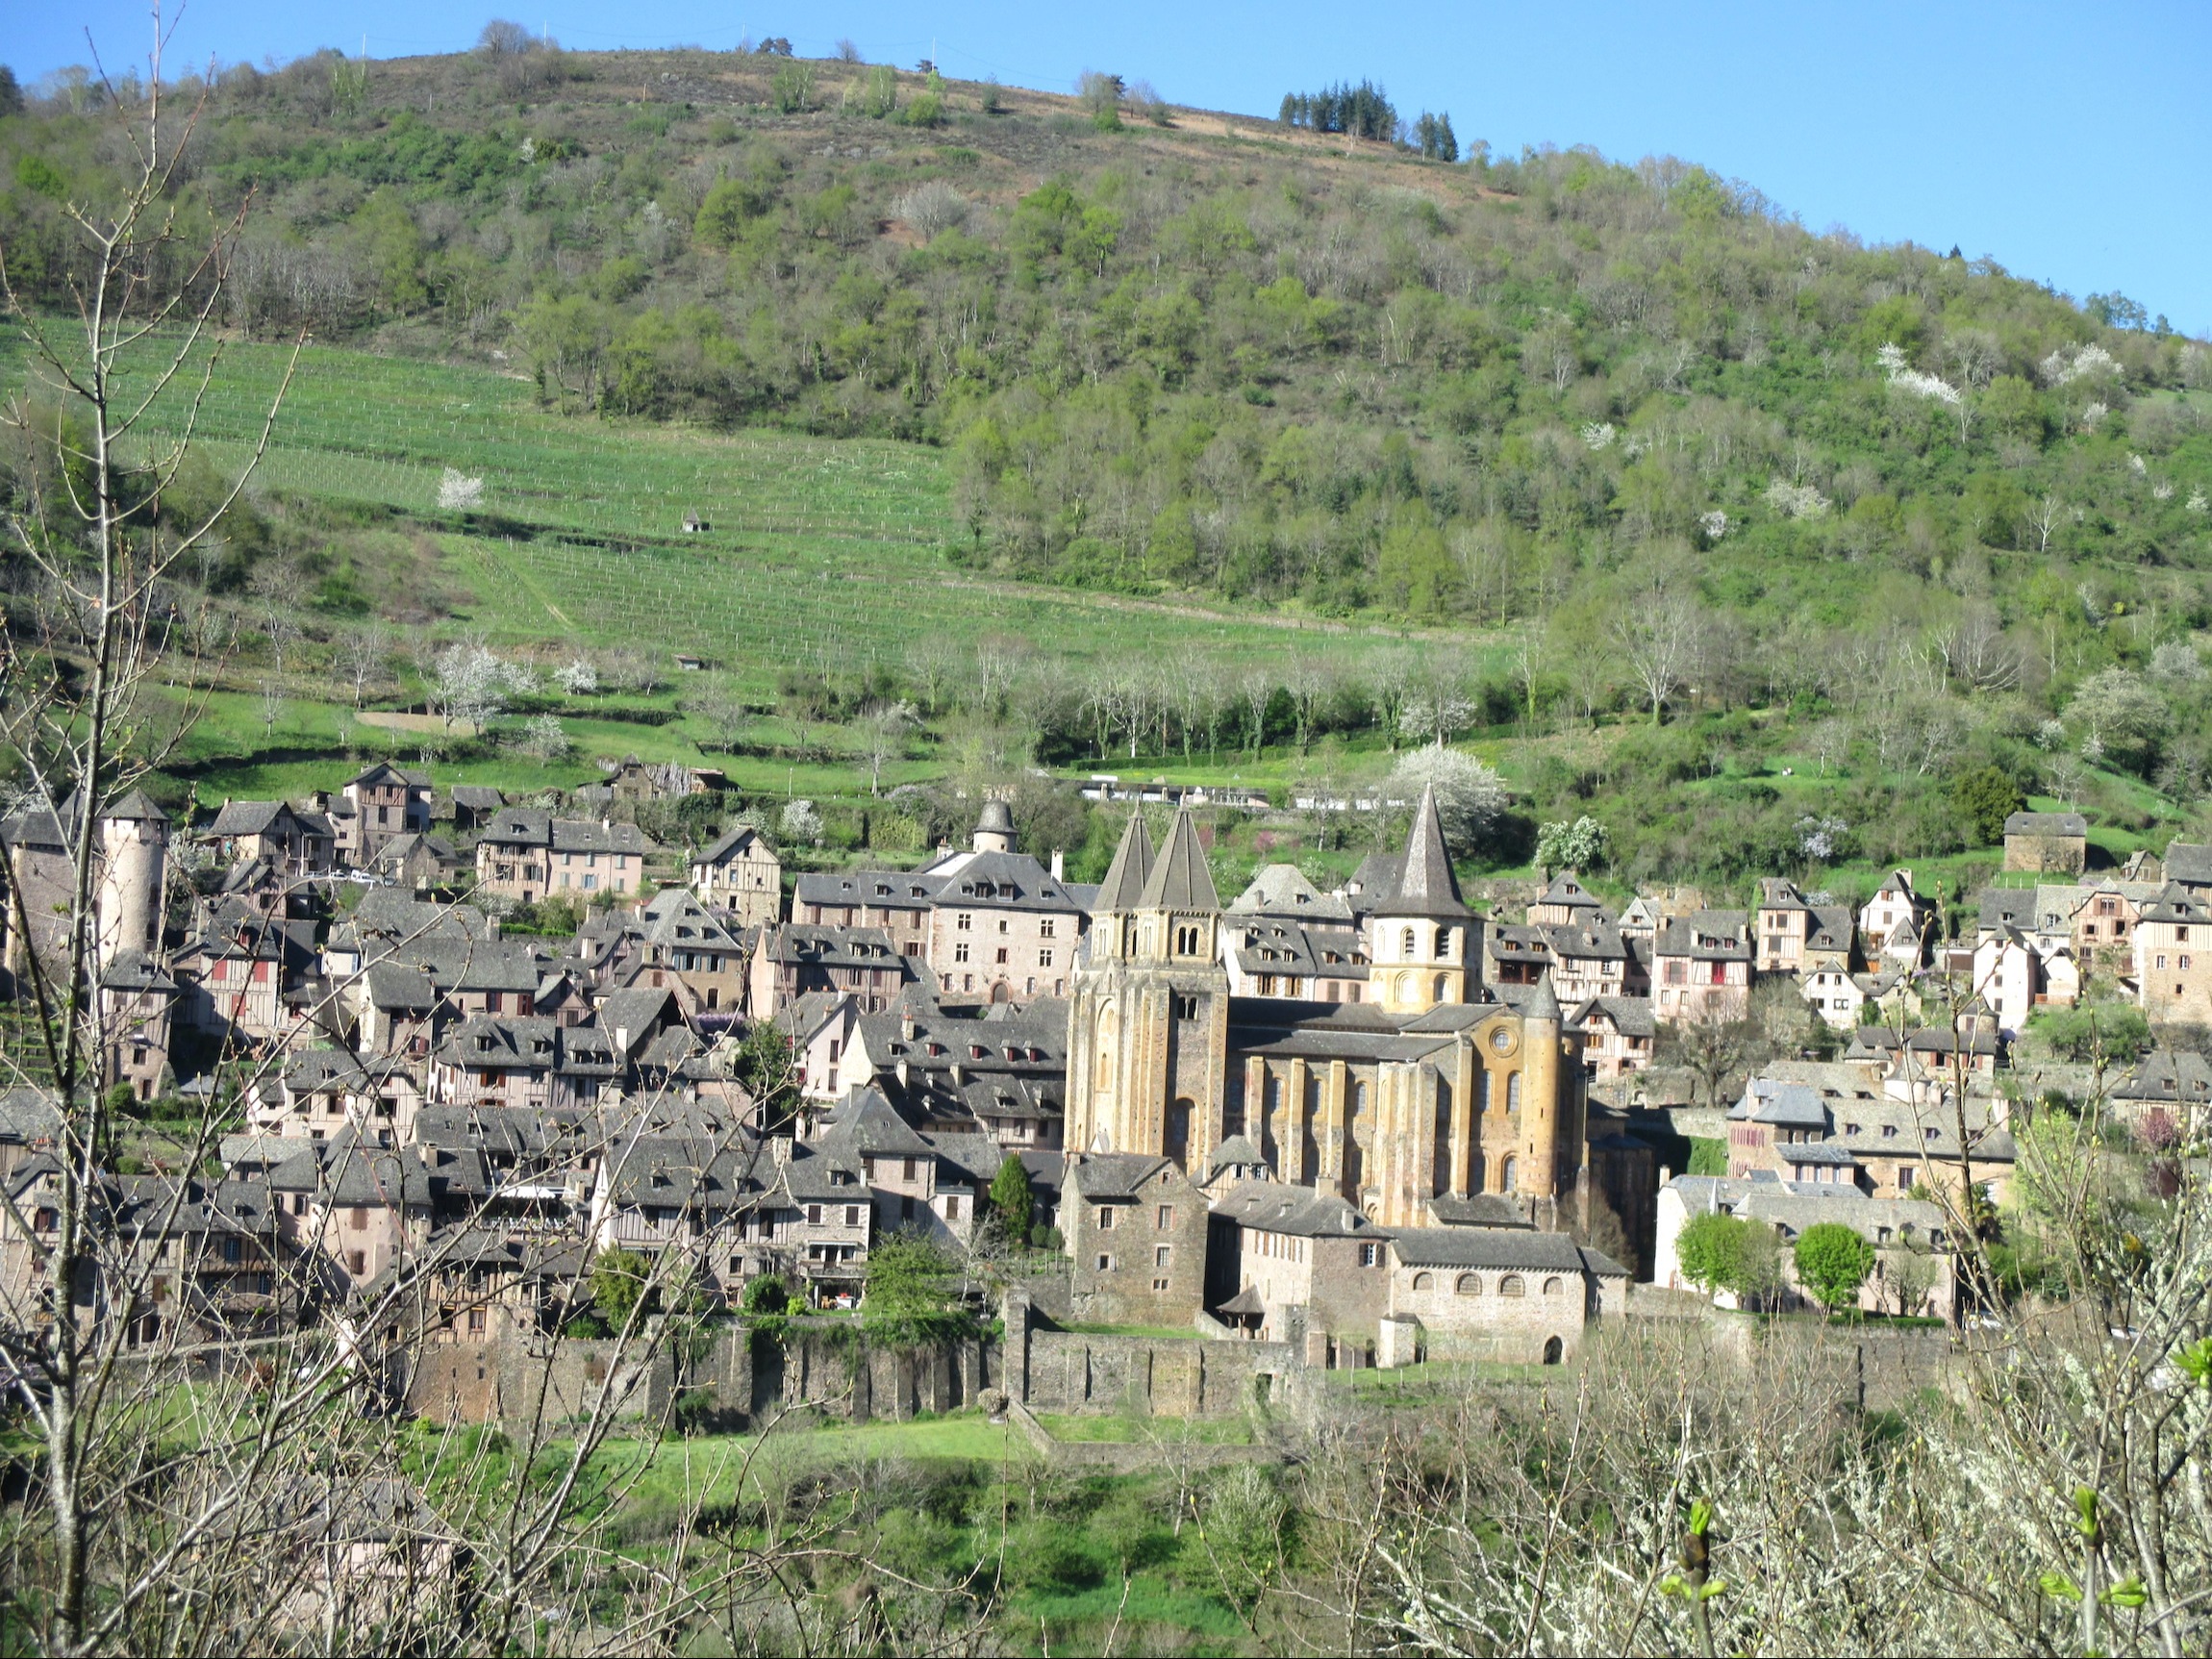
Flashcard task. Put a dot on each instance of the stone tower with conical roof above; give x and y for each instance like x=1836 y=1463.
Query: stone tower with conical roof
x=1420 y=934
x=1148 y=1020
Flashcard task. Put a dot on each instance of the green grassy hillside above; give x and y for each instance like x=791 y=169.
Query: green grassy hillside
x=1161 y=441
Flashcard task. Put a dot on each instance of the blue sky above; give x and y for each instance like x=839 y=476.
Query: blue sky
x=2071 y=144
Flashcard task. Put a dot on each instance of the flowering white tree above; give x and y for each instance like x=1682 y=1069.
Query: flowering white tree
x=1598 y=434
x=1469 y=795
x=1578 y=845
x=1906 y=378
x=577 y=677
x=2062 y=367
x=1796 y=500
x=459 y=493
x=544 y=739
x=467 y=682
x=800 y=825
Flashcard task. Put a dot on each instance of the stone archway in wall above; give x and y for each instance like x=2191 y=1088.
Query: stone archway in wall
x=1554 y=1351
x=999 y=991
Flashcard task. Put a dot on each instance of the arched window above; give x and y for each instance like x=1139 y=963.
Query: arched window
x=1511 y=1286
x=1513 y=1091
x=1443 y=943
x=1406 y=945
x=1422 y=1281
x=1440 y=984
x=1470 y=1284
x=1508 y=1177
x=1554 y=1351
x=1551 y=1286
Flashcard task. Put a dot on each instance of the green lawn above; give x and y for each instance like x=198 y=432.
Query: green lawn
x=1120 y=1430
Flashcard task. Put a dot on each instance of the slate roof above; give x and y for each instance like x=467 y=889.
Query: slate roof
x=731 y=844
x=1476 y=1210
x=1631 y=1015
x=1282 y=890
x=1304 y=1212
x=2047 y=824
x=1499 y=1249
x=1425 y=884
x=1706 y=935
x=2189 y=863
x=2167 y=1074
x=1097 y=1176
x=534 y=827
x=1783 y=1105
x=1180 y=879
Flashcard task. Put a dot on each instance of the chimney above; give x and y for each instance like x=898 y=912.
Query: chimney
x=1058 y=872
x=906 y=1025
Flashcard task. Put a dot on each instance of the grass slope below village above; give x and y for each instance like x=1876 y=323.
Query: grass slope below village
x=1170 y=442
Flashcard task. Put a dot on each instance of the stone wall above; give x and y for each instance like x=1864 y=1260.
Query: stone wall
x=522 y=1379
x=1073 y=1372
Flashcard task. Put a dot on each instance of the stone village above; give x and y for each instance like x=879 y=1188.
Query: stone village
x=1316 y=1130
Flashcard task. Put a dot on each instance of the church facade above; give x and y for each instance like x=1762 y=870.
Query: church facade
x=1436 y=1088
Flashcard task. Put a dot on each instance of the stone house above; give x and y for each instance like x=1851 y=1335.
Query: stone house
x=1798 y=937
x=1566 y=903
x=137 y=1004
x=794 y=959
x=252 y=978
x=821 y=1026
x=2170 y=1084
x=991 y=922
x=474 y=805
x=1005 y=1074
x=1500 y=1294
x=834 y=1217
x=1701 y=966
x=1839 y=1133
x=741 y=875
x=1283 y=937
x=1842 y=999
x=1914 y=1272
x=527 y=854
x=413 y=862
x=522 y=1062
x=2172 y=947
x=1136 y=1235
x=1299 y=1264
x=1588 y=958
x=366 y=1209
x=684 y=943
x=2049 y=843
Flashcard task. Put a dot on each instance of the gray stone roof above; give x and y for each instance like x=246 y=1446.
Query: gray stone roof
x=2190 y=863
x=1305 y=1212
x=2047 y=824
x=1425 y=884
x=1282 y=890
x=1496 y=1248
x=1180 y=879
x=1124 y=883
x=1706 y=935
x=532 y=827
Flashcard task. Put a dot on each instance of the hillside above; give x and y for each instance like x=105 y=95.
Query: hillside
x=1603 y=444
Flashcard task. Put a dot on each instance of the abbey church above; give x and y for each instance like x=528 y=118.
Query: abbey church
x=1435 y=1090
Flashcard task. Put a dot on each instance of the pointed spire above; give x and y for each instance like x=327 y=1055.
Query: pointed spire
x=1180 y=880
x=1124 y=883
x=1544 y=1003
x=1426 y=883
